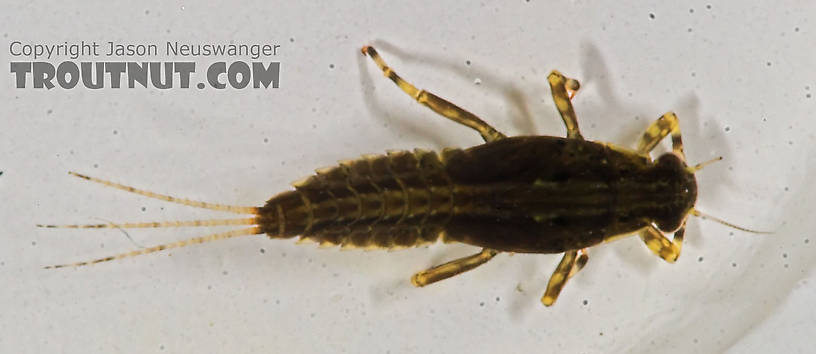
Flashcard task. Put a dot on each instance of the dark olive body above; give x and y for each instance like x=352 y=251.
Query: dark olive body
x=530 y=194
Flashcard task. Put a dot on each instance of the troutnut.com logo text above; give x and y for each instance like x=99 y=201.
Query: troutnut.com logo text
x=69 y=65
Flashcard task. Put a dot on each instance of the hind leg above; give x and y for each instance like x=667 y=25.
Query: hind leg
x=434 y=102
x=454 y=267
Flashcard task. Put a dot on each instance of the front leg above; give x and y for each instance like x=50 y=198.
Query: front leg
x=659 y=129
x=660 y=245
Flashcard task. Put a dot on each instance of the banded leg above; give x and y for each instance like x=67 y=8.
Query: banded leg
x=569 y=265
x=662 y=246
x=454 y=267
x=434 y=102
x=665 y=125
x=560 y=85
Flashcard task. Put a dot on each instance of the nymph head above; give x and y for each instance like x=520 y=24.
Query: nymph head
x=677 y=186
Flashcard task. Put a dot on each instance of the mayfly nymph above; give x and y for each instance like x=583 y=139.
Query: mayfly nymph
x=525 y=194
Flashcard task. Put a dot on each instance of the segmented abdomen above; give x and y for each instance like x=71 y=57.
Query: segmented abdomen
x=401 y=199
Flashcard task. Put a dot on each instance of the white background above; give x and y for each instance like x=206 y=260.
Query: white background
x=739 y=74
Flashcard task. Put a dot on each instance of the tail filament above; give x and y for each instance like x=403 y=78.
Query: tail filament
x=254 y=230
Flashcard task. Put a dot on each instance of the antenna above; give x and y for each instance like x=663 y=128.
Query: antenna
x=700 y=165
x=700 y=214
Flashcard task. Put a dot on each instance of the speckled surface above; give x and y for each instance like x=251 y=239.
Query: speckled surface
x=740 y=77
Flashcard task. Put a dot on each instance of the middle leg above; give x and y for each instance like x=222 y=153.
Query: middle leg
x=559 y=85
x=569 y=265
